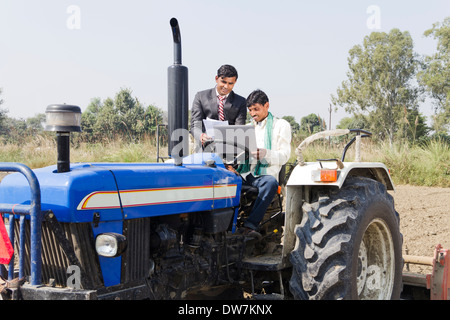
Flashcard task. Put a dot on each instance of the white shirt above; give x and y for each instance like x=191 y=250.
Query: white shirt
x=225 y=96
x=281 y=146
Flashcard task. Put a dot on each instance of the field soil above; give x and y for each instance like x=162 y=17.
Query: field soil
x=424 y=220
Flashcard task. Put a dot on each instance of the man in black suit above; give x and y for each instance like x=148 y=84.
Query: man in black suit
x=208 y=105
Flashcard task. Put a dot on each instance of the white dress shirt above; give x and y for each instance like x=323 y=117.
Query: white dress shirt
x=225 y=96
x=281 y=146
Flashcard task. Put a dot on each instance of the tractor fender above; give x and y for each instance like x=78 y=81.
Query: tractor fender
x=303 y=175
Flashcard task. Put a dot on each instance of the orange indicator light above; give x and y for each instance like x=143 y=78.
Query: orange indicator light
x=328 y=175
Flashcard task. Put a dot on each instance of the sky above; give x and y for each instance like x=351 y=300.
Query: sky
x=58 y=51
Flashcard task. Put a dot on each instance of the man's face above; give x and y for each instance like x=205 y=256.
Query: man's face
x=225 y=85
x=258 y=111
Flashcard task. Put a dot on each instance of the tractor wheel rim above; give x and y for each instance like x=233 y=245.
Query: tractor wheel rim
x=376 y=263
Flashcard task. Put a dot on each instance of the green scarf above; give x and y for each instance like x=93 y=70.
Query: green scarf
x=260 y=167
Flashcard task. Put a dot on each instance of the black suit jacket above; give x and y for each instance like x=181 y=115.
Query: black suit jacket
x=205 y=106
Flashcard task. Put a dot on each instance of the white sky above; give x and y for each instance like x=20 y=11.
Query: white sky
x=296 y=51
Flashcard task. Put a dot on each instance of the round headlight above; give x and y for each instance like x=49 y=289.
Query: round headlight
x=110 y=244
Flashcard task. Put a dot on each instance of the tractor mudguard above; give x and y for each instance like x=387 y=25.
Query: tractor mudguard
x=306 y=175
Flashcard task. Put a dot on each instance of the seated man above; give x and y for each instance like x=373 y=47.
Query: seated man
x=273 y=140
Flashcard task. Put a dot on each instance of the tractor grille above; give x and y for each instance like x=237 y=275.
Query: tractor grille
x=136 y=259
x=55 y=262
x=54 y=258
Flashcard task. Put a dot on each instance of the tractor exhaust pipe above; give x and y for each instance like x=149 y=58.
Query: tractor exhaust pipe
x=177 y=101
x=176 y=40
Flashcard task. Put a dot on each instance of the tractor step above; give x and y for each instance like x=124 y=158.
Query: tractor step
x=269 y=262
x=270 y=296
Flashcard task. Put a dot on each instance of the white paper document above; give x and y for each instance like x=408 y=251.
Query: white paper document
x=211 y=123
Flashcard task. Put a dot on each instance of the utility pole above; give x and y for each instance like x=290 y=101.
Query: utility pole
x=329 y=123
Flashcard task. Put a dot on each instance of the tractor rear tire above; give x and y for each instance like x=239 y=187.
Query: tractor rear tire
x=348 y=245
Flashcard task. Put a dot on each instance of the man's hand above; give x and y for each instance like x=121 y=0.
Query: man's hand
x=259 y=153
x=204 y=138
x=230 y=168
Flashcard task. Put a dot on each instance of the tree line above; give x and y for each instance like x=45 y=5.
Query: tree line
x=122 y=116
x=385 y=84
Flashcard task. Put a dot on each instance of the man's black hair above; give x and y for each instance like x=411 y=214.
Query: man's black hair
x=257 y=96
x=227 y=71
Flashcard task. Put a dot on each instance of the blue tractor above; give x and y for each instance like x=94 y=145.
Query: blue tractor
x=167 y=230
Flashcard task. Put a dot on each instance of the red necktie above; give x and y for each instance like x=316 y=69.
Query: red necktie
x=221 y=114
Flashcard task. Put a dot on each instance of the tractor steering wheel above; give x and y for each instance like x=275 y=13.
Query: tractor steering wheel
x=210 y=145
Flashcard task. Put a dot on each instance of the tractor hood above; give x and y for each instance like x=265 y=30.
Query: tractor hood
x=117 y=191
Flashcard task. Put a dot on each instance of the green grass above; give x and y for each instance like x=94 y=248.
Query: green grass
x=427 y=165
x=40 y=151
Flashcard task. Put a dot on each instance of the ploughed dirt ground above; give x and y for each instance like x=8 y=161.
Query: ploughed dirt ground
x=424 y=220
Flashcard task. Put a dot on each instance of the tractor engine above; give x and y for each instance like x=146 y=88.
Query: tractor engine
x=190 y=251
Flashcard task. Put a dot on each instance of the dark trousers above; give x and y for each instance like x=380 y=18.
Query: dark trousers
x=267 y=188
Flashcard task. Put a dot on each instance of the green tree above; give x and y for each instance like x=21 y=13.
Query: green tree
x=122 y=116
x=89 y=118
x=130 y=113
x=107 y=122
x=3 y=116
x=312 y=123
x=295 y=127
x=379 y=81
x=435 y=75
x=355 y=122
x=152 y=118
x=14 y=130
x=18 y=130
x=413 y=126
x=36 y=123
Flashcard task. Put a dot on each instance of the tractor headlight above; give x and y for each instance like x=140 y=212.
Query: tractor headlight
x=110 y=244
